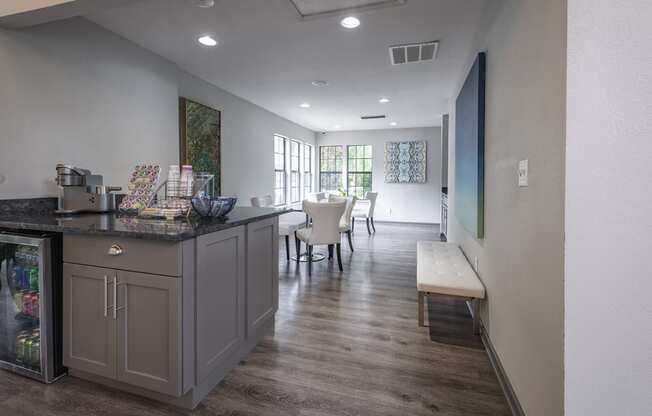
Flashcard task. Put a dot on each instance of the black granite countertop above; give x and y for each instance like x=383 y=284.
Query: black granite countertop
x=120 y=225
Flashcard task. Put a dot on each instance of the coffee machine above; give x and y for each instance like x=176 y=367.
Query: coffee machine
x=81 y=191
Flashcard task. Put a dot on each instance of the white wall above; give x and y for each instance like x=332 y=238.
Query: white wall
x=521 y=257
x=248 y=133
x=418 y=203
x=74 y=92
x=608 y=346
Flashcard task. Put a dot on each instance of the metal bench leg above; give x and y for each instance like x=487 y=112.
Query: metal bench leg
x=421 y=303
x=475 y=304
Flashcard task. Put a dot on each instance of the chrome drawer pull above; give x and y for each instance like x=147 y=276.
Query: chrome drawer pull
x=106 y=295
x=115 y=250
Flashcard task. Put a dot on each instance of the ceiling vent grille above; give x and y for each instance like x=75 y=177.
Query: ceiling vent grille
x=413 y=53
x=373 y=117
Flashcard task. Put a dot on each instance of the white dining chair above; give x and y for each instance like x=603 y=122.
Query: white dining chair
x=364 y=208
x=262 y=201
x=288 y=223
x=316 y=196
x=346 y=220
x=324 y=229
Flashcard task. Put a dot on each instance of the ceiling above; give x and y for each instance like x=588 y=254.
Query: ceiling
x=269 y=55
x=10 y=7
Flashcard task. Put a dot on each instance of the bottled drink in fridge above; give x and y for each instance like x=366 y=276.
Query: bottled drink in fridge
x=18 y=300
x=21 y=352
x=34 y=312
x=27 y=303
x=33 y=278
x=35 y=353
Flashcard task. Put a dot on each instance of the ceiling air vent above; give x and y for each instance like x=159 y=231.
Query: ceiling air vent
x=372 y=117
x=414 y=52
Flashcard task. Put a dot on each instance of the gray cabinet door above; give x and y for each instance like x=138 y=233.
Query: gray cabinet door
x=148 y=329
x=220 y=298
x=262 y=273
x=88 y=329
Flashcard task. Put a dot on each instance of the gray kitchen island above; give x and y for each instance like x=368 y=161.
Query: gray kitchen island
x=163 y=309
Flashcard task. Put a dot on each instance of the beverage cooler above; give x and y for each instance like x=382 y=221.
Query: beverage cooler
x=30 y=305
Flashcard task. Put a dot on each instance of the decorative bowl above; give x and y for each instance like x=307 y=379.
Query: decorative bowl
x=202 y=206
x=213 y=207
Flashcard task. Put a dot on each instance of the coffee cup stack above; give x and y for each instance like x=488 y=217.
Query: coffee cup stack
x=187 y=180
x=174 y=181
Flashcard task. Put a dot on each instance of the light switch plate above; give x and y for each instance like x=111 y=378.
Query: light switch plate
x=523 y=173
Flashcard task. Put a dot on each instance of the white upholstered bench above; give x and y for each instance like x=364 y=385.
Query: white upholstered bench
x=442 y=269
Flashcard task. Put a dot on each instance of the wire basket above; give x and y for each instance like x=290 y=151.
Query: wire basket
x=172 y=199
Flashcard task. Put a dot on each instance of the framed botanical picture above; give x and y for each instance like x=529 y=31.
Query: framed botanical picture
x=200 y=139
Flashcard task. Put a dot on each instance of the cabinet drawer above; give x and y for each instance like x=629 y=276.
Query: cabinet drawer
x=147 y=256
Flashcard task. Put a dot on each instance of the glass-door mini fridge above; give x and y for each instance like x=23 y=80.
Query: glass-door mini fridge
x=30 y=305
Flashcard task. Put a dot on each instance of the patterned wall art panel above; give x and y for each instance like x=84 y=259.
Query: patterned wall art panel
x=405 y=162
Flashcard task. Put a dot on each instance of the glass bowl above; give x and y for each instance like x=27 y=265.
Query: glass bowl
x=213 y=207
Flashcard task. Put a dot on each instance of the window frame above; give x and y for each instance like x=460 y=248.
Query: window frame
x=303 y=165
x=282 y=171
x=330 y=173
x=294 y=174
x=359 y=174
x=307 y=169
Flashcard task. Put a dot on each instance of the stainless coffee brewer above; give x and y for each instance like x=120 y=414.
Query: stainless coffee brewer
x=81 y=191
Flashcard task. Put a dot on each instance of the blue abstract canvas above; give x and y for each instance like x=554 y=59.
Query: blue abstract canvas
x=469 y=150
x=405 y=162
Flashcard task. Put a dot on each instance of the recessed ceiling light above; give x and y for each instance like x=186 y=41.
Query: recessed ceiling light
x=207 y=41
x=320 y=83
x=393 y=123
x=350 y=22
x=383 y=100
x=337 y=126
x=204 y=4
x=304 y=105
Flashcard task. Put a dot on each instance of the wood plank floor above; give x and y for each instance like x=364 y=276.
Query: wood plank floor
x=345 y=344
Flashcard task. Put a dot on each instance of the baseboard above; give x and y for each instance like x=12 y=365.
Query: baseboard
x=399 y=222
x=510 y=395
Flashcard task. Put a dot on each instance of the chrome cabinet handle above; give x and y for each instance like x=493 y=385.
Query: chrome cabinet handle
x=115 y=297
x=117 y=308
x=115 y=250
x=106 y=294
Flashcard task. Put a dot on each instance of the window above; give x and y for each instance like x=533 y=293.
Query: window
x=295 y=186
x=330 y=168
x=293 y=169
x=358 y=168
x=307 y=169
x=279 y=170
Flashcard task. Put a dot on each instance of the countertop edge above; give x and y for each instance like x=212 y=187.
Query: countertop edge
x=204 y=229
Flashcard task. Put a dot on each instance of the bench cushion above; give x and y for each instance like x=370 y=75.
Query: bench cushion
x=443 y=269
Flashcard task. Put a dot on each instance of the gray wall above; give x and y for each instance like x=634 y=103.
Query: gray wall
x=608 y=344
x=248 y=145
x=74 y=92
x=521 y=258
x=419 y=203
